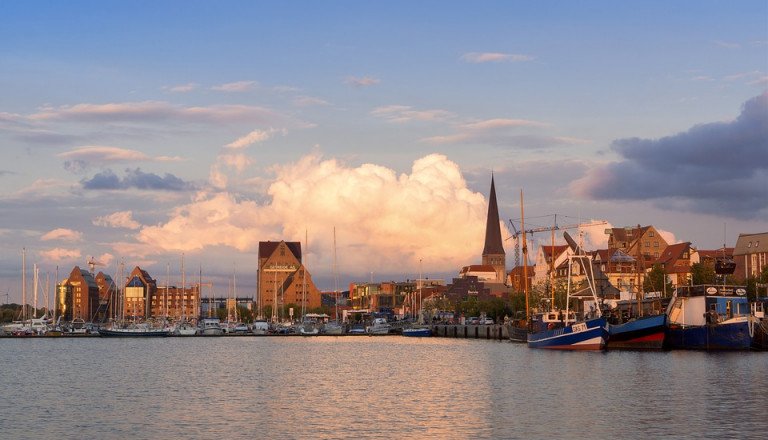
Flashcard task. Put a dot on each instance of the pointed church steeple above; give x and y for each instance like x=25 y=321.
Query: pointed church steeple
x=493 y=251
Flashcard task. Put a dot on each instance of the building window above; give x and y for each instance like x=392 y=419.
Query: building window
x=655 y=255
x=647 y=244
x=650 y=234
x=655 y=244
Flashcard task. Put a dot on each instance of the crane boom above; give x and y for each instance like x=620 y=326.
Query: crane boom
x=552 y=229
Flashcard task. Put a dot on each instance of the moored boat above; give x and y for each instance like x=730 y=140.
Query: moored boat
x=758 y=324
x=708 y=317
x=137 y=330
x=591 y=334
x=379 y=326
x=418 y=331
x=641 y=333
x=211 y=327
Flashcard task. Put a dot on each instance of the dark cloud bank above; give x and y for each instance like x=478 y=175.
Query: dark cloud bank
x=108 y=180
x=716 y=168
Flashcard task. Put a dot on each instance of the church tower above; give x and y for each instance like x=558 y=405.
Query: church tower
x=493 y=252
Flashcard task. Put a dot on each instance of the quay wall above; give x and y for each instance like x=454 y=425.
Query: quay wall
x=494 y=331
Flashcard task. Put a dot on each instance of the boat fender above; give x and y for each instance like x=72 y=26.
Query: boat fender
x=751 y=326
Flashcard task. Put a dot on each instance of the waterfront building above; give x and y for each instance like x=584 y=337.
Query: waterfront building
x=283 y=279
x=78 y=296
x=138 y=292
x=644 y=243
x=548 y=259
x=750 y=255
x=676 y=260
x=176 y=302
x=493 y=250
x=620 y=269
x=516 y=276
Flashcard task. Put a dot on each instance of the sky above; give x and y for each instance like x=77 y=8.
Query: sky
x=150 y=133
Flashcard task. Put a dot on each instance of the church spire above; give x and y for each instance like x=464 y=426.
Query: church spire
x=493 y=242
x=493 y=252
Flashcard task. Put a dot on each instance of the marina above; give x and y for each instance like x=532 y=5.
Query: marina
x=322 y=387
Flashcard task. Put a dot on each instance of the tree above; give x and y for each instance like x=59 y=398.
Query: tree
x=703 y=274
x=656 y=281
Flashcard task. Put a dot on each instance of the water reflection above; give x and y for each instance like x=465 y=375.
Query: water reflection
x=370 y=387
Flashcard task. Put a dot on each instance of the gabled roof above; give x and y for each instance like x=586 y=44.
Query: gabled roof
x=556 y=250
x=751 y=244
x=621 y=257
x=478 y=268
x=629 y=234
x=267 y=248
x=671 y=255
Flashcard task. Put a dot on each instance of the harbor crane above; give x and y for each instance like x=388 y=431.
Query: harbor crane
x=93 y=263
x=516 y=233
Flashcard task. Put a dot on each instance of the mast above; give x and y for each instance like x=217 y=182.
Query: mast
x=304 y=279
x=35 y=274
x=335 y=277
x=525 y=263
x=182 y=287
x=56 y=296
x=24 y=285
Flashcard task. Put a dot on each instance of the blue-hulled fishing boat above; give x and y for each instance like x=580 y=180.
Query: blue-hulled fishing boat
x=643 y=333
x=589 y=333
x=708 y=317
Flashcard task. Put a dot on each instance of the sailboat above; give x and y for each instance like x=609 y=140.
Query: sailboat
x=334 y=327
x=568 y=332
x=419 y=330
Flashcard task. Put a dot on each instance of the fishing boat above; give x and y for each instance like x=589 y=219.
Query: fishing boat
x=639 y=333
x=708 y=317
x=588 y=333
x=135 y=330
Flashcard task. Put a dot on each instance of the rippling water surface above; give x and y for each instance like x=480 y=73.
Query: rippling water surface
x=371 y=387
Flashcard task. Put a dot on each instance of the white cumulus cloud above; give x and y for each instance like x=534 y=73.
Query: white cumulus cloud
x=384 y=220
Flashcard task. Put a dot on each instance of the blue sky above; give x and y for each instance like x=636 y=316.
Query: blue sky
x=140 y=131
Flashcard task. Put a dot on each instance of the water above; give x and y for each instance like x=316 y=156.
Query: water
x=371 y=387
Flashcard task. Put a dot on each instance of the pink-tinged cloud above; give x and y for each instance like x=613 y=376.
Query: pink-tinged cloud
x=185 y=88
x=494 y=124
x=404 y=113
x=486 y=57
x=361 y=82
x=121 y=219
x=113 y=154
x=59 y=255
x=309 y=101
x=155 y=112
x=238 y=86
x=62 y=234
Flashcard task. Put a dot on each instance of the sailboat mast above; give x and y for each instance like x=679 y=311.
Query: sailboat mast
x=182 y=287
x=525 y=262
x=24 y=284
x=335 y=278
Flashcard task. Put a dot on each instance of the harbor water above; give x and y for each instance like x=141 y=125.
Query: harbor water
x=386 y=387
